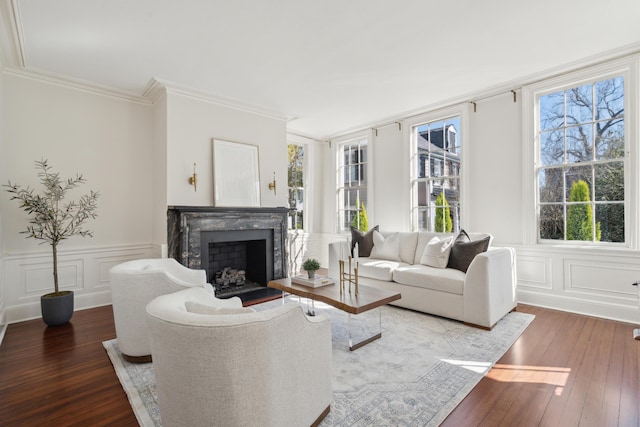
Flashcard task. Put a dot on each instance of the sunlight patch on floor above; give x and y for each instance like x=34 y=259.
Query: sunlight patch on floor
x=551 y=375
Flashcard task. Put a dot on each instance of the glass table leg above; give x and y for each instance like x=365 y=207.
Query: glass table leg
x=364 y=328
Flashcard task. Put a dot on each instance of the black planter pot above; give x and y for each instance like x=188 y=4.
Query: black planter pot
x=57 y=309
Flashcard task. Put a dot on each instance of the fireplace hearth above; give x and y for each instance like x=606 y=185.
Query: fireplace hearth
x=241 y=249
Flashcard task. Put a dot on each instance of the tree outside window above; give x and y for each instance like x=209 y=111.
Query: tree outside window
x=581 y=154
x=352 y=183
x=436 y=184
x=295 y=178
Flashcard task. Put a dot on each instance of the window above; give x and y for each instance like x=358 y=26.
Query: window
x=352 y=182
x=580 y=162
x=435 y=182
x=296 y=186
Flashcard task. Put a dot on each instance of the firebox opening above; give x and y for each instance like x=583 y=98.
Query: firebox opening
x=238 y=261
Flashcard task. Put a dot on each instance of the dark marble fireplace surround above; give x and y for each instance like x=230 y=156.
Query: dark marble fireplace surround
x=197 y=234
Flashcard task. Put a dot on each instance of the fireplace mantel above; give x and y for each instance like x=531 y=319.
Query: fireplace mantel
x=186 y=223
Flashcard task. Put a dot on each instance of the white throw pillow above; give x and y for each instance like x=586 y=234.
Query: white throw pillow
x=436 y=253
x=388 y=248
x=196 y=307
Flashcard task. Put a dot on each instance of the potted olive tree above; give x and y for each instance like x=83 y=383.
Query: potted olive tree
x=52 y=220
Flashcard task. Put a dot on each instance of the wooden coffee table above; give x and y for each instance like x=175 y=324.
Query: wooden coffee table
x=368 y=298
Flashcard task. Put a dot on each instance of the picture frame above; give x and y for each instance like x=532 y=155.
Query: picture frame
x=236 y=174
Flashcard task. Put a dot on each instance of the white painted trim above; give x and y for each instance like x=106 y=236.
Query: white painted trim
x=461 y=110
x=335 y=145
x=628 y=67
x=154 y=88
x=502 y=88
x=87 y=275
x=77 y=84
x=618 y=312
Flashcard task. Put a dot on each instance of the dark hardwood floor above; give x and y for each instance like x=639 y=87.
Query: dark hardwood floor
x=565 y=370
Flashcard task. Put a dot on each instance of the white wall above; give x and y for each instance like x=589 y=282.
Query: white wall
x=192 y=124
x=3 y=317
x=592 y=281
x=108 y=140
x=494 y=165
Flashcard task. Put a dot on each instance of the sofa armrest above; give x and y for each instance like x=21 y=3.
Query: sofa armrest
x=336 y=250
x=490 y=287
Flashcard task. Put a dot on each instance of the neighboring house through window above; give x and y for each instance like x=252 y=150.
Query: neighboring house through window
x=435 y=183
x=352 y=181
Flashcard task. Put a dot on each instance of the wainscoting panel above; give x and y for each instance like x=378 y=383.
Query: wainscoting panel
x=534 y=271
x=86 y=272
x=589 y=281
x=609 y=279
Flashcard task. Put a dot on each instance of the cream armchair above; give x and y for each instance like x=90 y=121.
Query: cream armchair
x=221 y=367
x=134 y=284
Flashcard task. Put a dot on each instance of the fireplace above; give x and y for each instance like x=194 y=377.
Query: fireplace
x=241 y=249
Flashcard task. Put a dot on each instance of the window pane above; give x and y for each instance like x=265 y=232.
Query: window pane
x=610 y=222
x=579 y=144
x=437 y=156
x=295 y=183
x=609 y=98
x=580 y=104
x=609 y=179
x=575 y=175
x=610 y=140
x=423 y=193
x=581 y=171
x=550 y=185
x=552 y=222
x=552 y=147
x=552 y=111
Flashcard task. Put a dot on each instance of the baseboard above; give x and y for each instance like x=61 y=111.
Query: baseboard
x=617 y=312
x=3 y=327
x=30 y=311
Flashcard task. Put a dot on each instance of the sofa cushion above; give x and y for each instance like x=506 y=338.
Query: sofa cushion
x=436 y=253
x=364 y=241
x=424 y=237
x=464 y=250
x=385 y=248
x=380 y=269
x=438 y=279
x=408 y=243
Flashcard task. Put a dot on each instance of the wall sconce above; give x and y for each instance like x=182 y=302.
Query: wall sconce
x=193 y=180
x=272 y=184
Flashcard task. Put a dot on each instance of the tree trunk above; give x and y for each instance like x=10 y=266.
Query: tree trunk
x=55 y=267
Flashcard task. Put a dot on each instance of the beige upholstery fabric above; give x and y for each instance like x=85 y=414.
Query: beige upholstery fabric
x=481 y=297
x=135 y=283
x=268 y=368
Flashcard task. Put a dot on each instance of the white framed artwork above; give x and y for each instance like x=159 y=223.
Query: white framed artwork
x=236 y=174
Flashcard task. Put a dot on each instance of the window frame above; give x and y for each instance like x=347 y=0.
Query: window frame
x=628 y=69
x=308 y=180
x=338 y=145
x=462 y=111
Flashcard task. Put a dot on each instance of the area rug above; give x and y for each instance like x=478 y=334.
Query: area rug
x=415 y=375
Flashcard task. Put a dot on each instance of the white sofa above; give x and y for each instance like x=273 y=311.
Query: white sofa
x=479 y=297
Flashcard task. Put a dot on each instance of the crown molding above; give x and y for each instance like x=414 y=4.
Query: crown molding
x=156 y=87
x=77 y=84
x=12 y=52
x=501 y=89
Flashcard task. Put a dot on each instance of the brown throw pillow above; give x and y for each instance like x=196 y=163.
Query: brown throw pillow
x=364 y=241
x=464 y=250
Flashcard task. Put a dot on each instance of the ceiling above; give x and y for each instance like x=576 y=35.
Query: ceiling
x=329 y=66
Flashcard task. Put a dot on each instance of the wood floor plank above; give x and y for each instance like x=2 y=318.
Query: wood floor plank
x=62 y=376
